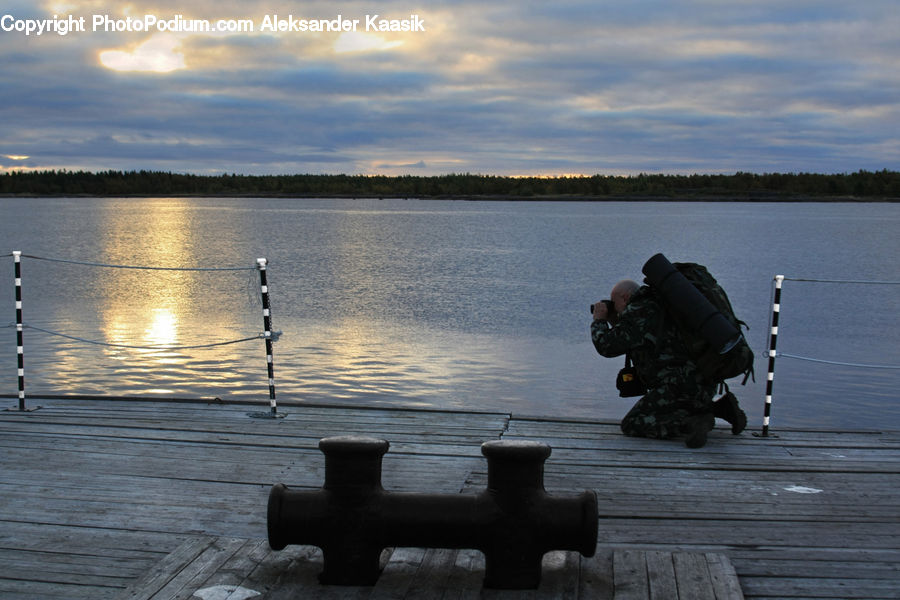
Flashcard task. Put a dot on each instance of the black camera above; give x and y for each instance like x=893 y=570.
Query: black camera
x=610 y=308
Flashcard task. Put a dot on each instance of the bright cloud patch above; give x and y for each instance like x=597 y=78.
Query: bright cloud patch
x=354 y=41
x=159 y=54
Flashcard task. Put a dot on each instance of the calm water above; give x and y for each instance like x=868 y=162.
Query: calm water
x=440 y=304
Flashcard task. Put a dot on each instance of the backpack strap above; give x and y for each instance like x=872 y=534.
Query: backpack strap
x=750 y=373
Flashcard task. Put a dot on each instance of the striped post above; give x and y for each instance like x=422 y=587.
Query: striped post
x=773 y=338
x=267 y=324
x=20 y=347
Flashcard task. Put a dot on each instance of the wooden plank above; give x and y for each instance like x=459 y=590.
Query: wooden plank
x=63 y=567
x=291 y=573
x=630 y=576
x=425 y=473
x=460 y=446
x=820 y=586
x=396 y=578
x=661 y=576
x=167 y=569
x=235 y=571
x=138 y=414
x=13 y=589
x=466 y=577
x=597 y=575
x=202 y=568
x=787 y=434
x=559 y=575
x=724 y=579
x=432 y=580
x=784 y=563
x=659 y=532
x=693 y=577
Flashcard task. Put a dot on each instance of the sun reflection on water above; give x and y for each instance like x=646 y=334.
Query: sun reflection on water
x=149 y=303
x=153 y=314
x=161 y=332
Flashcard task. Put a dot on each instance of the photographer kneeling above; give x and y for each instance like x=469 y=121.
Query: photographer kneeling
x=677 y=400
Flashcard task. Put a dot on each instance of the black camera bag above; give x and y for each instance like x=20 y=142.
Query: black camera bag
x=628 y=382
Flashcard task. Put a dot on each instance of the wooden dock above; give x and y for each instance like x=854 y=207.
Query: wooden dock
x=132 y=499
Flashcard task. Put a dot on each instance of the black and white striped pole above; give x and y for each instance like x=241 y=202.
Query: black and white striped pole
x=20 y=346
x=773 y=339
x=267 y=324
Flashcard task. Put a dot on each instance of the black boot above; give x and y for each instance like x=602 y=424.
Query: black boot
x=697 y=426
x=727 y=408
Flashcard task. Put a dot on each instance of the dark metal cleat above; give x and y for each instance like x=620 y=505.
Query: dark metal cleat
x=514 y=522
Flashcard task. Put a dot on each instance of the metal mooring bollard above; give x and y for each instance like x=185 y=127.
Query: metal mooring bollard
x=514 y=522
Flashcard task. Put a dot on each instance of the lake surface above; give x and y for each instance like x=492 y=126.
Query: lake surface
x=439 y=303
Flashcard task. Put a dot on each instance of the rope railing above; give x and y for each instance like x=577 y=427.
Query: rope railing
x=135 y=347
x=836 y=362
x=268 y=335
x=138 y=267
x=855 y=281
x=773 y=338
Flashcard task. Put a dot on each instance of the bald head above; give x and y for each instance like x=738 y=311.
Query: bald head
x=622 y=293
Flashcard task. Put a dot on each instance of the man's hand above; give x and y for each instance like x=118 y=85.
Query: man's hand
x=600 y=311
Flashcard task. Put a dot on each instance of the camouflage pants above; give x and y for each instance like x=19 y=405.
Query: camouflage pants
x=677 y=394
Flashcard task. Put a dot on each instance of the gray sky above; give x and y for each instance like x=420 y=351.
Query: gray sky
x=506 y=88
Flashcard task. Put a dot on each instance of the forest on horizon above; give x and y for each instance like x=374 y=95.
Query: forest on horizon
x=881 y=185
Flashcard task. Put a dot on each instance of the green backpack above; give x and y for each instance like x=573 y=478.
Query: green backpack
x=714 y=365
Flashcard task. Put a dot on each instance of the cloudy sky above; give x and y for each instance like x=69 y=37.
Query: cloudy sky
x=507 y=88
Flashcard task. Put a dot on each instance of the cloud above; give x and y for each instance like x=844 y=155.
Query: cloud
x=160 y=54
x=572 y=86
x=357 y=41
x=393 y=167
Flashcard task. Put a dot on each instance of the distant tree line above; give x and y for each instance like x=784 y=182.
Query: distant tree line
x=867 y=185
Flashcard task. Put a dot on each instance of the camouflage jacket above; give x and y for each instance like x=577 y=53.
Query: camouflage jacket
x=644 y=332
